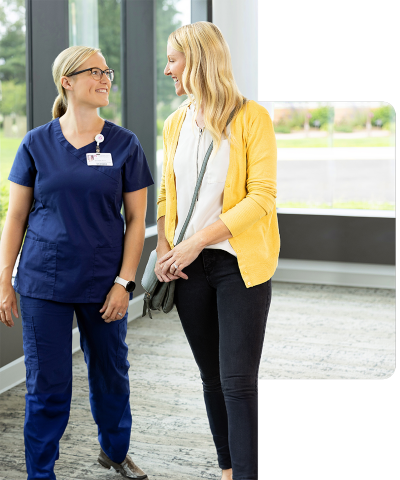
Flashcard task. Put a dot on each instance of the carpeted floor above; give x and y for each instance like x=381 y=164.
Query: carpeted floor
x=313 y=331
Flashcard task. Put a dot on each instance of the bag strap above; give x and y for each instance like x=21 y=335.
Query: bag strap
x=198 y=184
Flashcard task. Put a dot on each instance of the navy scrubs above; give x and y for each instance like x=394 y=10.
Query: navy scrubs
x=71 y=255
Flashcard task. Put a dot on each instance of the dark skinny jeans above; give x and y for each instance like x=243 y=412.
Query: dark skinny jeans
x=224 y=322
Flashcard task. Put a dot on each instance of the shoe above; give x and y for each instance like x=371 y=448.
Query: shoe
x=127 y=468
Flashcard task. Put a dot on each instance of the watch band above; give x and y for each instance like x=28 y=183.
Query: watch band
x=121 y=281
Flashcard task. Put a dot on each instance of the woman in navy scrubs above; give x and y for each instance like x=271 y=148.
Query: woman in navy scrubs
x=76 y=257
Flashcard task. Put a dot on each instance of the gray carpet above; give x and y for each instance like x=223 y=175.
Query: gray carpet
x=313 y=331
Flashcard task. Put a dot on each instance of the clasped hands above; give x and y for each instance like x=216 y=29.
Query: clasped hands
x=170 y=265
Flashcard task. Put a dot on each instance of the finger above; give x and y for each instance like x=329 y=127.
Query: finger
x=106 y=315
x=14 y=307
x=167 y=265
x=3 y=318
x=103 y=307
x=8 y=316
x=114 y=309
x=166 y=256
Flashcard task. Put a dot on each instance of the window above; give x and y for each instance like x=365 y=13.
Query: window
x=335 y=155
x=12 y=91
x=97 y=23
x=170 y=15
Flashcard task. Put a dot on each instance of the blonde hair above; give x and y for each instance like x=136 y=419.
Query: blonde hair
x=66 y=63
x=208 y=76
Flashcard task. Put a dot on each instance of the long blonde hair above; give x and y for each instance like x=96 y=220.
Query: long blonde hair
x=65 y=63
x=208 y=76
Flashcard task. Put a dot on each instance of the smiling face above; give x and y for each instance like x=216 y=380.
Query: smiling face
x=83 y=89
x=175 y=67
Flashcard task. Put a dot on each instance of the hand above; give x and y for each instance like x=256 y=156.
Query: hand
x=117 y=301
x=168 y=277
x=181 y=256
x=8 y=303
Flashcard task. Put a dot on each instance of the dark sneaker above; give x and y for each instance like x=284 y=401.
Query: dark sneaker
x=127 y=468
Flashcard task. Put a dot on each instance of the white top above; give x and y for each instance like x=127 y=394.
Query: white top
x=190 y=152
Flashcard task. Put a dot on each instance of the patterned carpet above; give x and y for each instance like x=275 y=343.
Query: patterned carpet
x=313 y=331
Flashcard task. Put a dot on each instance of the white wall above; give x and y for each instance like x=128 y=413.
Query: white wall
x=238 y=22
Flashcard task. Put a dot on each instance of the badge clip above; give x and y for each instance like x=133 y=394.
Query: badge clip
x=98 y=138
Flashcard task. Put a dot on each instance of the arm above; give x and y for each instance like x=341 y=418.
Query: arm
x=135 y=205
x=260 y=179
x=20 y=203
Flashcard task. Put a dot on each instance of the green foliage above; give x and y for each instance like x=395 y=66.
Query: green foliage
x=12 y=41
x=13 y=98
x=160 y=126
x=343 y=127
x=166 y=23
x=385 y=114
x=4 y=196
x=282 y=128
x=110 y=45
x=293 y=121
x=323 y=115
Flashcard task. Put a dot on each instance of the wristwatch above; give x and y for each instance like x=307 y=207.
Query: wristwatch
x=129 y=286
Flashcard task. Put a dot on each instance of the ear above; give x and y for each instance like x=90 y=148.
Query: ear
x=66 y=83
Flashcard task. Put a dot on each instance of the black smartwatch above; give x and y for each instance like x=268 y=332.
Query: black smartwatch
x=129 y=286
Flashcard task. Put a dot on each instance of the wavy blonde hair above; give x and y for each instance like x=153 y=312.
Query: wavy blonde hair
x=66 y=63
x=208 y=76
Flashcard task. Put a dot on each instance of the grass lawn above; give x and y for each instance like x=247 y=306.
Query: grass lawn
x=8 y=149
x=339 y=142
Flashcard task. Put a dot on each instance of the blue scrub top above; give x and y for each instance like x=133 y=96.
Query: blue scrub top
x=74 y=241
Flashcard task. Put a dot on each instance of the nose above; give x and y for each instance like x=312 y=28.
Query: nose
x=167 y=70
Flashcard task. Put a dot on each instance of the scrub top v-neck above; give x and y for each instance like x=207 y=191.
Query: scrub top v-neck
x=73 y=247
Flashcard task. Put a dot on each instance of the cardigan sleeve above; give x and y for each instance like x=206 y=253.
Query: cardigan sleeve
x=162 y=200
x=260 y=177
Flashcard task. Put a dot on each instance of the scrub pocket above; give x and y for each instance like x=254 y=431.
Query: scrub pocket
x=37 y=269
x=29 y=343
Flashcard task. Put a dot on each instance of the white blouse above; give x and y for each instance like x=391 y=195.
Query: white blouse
x=192 y=146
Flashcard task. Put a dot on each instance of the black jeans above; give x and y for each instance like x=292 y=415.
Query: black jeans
x=224 y=323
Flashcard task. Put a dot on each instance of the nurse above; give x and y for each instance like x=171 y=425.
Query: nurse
x=77 y=170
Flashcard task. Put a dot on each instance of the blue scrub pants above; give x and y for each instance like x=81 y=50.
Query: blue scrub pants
x=47 y=340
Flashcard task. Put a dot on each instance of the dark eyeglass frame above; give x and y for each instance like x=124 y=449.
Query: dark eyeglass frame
x=96 y=68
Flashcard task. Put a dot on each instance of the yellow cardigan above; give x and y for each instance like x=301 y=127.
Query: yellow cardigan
x=249 y=205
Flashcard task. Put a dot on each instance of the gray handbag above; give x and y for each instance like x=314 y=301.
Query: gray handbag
x=160 y=295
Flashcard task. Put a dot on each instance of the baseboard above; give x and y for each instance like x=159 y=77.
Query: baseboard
x=336 y=273
x=14 y=373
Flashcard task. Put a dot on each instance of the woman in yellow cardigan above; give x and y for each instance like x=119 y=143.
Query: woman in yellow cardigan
x=225 y=262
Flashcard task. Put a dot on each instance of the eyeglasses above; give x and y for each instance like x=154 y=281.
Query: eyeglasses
x=97 y=73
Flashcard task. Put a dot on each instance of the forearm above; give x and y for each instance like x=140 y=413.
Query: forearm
x=162 y=240
x=133 y=247
x=10 y=244
x=214 y=233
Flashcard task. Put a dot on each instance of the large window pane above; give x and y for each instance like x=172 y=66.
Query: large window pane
x=335 y=155
x=170 y=15
x=97 y=23
x=12 y=91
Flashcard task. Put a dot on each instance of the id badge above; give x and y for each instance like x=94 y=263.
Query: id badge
x=99 y=159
